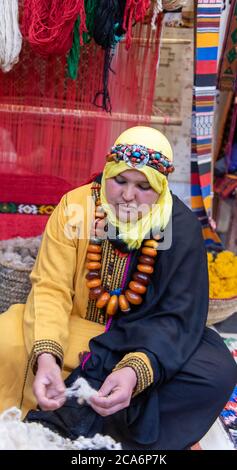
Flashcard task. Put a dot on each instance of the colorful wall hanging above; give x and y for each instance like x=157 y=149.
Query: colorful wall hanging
x=204 y=93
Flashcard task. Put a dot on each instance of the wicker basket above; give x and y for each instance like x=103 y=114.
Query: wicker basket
x=15 y=285
x=221 y=309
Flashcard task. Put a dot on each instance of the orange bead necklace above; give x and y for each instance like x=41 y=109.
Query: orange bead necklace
x=119 y=298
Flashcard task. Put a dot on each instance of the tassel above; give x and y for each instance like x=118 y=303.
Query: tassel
x=104 y=94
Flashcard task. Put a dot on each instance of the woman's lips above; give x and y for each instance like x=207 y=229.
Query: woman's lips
x=124 y=206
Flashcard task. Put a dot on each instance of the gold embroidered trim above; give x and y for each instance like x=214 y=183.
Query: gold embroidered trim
x=46 y=346
x=140 y=363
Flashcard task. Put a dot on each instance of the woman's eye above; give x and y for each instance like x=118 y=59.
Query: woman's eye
x=119 y=181
x=144 y=188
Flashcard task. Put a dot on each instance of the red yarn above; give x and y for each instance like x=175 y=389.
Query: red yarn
x=48 y=24
x=135 y=11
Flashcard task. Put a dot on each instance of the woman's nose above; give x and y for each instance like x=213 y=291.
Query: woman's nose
x=128 y=193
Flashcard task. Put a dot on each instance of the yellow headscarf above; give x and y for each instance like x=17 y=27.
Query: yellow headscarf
x=158 y=217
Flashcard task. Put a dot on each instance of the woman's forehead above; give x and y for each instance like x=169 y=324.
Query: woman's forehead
x=134 y=176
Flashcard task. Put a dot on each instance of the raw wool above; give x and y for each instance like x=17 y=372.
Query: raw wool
x=19 y=253
x=10 y=35
x=17 y=435
x=82 y=390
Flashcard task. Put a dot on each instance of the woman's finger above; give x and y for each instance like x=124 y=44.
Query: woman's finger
x=109 y=411
x=115 y=398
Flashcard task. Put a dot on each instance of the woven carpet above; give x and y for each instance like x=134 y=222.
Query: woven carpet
x=223 y=433
x=26 y=202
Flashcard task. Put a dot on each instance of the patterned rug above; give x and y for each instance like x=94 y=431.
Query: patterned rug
x=223 y=433
x=229 y=414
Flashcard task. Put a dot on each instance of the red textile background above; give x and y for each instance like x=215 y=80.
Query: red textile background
x=49 y=127
x=29 y=189
x=48 y=123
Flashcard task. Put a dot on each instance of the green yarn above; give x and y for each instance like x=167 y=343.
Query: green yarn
x=90 y=8
x=75 y=52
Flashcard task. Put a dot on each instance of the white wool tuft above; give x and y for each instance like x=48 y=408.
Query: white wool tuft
x=16 y=435
x=82 y=390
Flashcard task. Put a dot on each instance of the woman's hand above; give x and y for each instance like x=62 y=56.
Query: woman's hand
x=48 y=386
x=115 y=393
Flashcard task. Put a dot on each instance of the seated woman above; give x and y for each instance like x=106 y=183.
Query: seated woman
x=120 y=299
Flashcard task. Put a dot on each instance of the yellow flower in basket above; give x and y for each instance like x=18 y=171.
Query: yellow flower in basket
x=222 y=270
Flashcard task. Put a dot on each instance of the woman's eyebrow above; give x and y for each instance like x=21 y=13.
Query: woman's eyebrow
x=141 y=182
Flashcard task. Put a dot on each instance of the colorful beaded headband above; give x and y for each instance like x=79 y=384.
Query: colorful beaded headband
x=137 y=156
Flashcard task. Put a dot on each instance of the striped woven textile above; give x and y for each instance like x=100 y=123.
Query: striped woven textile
x=204 y=92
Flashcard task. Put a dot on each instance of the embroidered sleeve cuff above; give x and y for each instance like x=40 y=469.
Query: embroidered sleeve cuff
x=46 y=346
x=140 y=363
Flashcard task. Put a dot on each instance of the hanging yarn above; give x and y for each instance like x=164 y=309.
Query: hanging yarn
x=135 y=11
x=75 y=52
x=104 y=95
x=10 y=35
x=108 y=22
x=107 y=33
x=48 y=24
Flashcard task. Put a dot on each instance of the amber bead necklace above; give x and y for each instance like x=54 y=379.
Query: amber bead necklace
x=118 y=298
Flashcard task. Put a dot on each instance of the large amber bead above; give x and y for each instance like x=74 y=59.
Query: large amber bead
x=152 y=244
x=94 y=249
x=146 y=260
x=143 y=278
x=149 y=251
x=96 y=292
x=103 y=300
x=93 y=283
x=93 y=256
x=91 y=265
x=132 y=297
x=112 y=306
x=145 y=268
x=124 y=304
x=136 y=287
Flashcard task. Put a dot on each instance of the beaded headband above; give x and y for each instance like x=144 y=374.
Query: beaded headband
x=137 y=156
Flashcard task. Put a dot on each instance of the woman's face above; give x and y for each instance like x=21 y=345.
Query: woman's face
x=130 y=194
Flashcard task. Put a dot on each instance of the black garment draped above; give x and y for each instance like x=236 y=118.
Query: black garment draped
x=169 y=326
